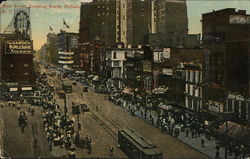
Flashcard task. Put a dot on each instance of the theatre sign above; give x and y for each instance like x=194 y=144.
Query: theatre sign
x=19 y=47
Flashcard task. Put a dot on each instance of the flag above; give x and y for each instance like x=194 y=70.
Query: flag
x=65 y=24
x=51 y=29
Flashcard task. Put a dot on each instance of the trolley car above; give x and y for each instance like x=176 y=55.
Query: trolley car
x=136 y=147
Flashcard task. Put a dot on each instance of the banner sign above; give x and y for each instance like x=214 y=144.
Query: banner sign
x=239 y=19
x=19 y=47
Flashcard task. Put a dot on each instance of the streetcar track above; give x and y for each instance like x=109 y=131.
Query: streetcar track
x=105 y=126
x=112 y=122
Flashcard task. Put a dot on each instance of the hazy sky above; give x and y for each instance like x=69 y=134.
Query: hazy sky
x=42 y=18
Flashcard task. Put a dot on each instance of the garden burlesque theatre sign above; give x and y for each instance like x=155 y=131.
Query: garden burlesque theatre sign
x=19 y=47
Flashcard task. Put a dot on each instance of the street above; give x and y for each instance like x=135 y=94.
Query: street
x=110 y=118
x=21 y=145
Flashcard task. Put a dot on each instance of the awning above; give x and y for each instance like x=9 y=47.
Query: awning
x=90 y=76
x=165 y=107
x=13 y=89
x=128 y=91
x=80 y=72
x=234 y=130
x=26 y=88
x=96 y=78
x=160 y=90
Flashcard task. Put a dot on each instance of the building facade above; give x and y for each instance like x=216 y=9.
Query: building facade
x=98 y=19
x=193 y=86
x=226 y=61
x=115 y=58
x=67 y=47
x=16 y=63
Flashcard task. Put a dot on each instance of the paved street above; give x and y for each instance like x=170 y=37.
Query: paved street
x=21 y=145
x=110 y=118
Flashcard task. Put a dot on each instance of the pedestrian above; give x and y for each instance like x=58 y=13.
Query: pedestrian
x=217 y=154
x=72 y=155
x=152 y=121
x=203 y=142
x=33 y=111
x=217 y=147
x=1 y=105
x=187 y=132
x=111 y=151
x=195 y=133
x=35 y=143
x=192 y=132
x=79 y=126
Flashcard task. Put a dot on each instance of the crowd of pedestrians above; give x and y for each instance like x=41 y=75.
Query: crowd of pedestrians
x=173 y=122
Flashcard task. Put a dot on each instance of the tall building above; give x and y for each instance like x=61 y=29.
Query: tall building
x=51 y=48
x=170 y=25
x=67 y=46
x=226 y=36
x=172 y=17
x=98 y=19
x=138 y=21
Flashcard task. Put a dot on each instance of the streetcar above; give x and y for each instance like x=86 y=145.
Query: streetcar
x=136 y=147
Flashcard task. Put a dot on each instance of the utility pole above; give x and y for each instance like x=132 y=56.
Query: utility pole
x=226 y=142
x=65 y=105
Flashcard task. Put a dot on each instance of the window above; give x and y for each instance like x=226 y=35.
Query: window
x=26 y=65
x=11 y=65
x=116 y=63
x=114 y=55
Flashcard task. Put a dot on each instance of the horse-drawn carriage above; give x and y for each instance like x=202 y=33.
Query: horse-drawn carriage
x=22 y=120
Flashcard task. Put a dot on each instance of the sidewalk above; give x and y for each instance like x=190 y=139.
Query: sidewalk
x=195 y=143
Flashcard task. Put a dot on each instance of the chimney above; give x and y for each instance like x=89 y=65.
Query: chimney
x=242 y=12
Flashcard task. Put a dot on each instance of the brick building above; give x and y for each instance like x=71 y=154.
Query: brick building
x=226 y=61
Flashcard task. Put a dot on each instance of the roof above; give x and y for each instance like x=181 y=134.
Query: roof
x=140 y=142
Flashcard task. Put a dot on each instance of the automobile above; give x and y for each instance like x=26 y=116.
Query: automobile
x=84 y=107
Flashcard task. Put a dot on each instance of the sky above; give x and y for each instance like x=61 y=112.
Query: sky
x=42 y=18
